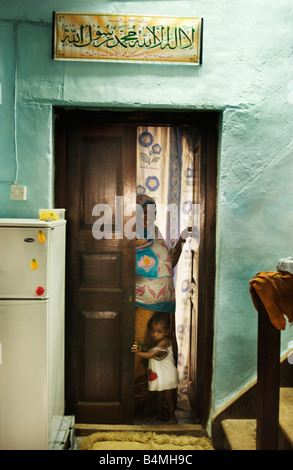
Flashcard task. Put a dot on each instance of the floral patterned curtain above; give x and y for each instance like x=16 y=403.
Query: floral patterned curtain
x=166 y=161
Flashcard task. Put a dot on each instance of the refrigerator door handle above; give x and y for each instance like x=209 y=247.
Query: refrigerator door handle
x=0 y=353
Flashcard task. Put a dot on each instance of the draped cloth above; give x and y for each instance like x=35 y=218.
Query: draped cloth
x=275 y=290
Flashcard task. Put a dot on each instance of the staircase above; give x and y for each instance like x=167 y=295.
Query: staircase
x=268 y=423
x=240 y=434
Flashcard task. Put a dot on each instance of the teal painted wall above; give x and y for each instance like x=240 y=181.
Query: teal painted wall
x=247 y=74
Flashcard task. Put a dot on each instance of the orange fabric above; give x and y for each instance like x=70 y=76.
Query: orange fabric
x=275 y=289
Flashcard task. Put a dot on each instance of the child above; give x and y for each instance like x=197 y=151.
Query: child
x=162 y=372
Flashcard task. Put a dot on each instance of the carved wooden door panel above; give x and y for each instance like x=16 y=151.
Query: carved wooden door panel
x=100 y=308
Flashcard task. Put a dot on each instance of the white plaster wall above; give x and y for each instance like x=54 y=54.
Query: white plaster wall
x=246 y=73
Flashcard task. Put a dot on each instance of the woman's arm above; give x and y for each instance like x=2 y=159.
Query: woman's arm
x=176 y=251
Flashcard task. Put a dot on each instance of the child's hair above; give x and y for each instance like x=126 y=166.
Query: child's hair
x=160 y=317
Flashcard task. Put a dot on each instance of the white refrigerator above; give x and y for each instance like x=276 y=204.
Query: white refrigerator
x=32 y=284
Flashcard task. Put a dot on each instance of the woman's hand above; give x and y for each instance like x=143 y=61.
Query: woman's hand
x=185 y=234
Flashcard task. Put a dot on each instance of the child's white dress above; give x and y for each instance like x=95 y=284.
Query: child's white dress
x=162 y=372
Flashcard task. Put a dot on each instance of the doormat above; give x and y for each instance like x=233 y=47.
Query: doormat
x=143 y=441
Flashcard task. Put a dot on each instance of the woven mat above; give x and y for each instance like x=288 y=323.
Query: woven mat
x=143 y=441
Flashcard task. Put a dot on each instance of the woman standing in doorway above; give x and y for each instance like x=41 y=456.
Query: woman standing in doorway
x=154 y=287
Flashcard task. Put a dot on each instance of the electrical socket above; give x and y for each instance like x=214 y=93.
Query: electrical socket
x=18 y=193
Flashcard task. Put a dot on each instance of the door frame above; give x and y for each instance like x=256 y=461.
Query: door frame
x=208 y=123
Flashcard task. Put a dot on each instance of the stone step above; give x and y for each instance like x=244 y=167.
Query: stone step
x=195 y=430
x=240 y=434
x=286 y=418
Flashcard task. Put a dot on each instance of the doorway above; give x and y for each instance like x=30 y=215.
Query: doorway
x=95 y=160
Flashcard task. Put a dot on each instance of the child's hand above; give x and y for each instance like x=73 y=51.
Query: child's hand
x=135 y=348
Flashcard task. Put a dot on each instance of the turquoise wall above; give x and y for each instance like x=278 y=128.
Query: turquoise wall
x=246 y=73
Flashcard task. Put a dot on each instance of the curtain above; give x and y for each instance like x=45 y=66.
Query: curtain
x=168 y=171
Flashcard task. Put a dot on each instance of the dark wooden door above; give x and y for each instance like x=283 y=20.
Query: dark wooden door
x=99 y=164
x=194 y=380
x=203 y=275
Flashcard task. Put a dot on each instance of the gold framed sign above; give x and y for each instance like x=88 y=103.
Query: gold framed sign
x=127 y=38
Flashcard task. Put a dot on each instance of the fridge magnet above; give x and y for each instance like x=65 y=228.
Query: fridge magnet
x=34 y=264
x=41 y=236
x=40 y=290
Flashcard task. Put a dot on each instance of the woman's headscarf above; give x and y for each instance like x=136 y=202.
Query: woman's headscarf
x=143 y=199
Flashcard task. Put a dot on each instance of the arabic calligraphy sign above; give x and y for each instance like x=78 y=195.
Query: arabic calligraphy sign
x=106 y=37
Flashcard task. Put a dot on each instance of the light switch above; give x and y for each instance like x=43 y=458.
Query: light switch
x=18 y=193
